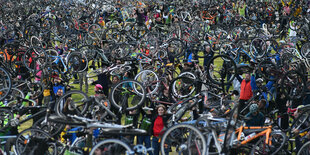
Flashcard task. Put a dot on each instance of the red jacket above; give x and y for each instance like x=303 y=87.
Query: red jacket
x=246 y=90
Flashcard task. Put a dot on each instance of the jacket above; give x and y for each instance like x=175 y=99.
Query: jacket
x=245 y=90
x=165 y=120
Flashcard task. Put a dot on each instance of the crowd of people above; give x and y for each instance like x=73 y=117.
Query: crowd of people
x=154 y=120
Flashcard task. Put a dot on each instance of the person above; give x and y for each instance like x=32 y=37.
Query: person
x=58 y=95
x=68 y=109
x=256 y=118
x=209 y=53
x=245 y=90
x=99 y=91
x=83 y=76
x=159 y=123
x=105 y=82
x=145 y=125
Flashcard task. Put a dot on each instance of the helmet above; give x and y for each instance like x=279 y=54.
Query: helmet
x=253 y=108
x=98 y=86
x=259 y=80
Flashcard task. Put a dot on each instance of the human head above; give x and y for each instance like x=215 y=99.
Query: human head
x=115 y=79
x=247 y=77
x=254 y=109
x=59 y=92
x=262 y=103
x=161 y=109
x=98 y=87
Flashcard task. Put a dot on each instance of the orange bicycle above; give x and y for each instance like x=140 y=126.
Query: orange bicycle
x=223 y=137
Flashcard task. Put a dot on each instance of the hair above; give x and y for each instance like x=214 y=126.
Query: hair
x=160 y=105
x=263 y=101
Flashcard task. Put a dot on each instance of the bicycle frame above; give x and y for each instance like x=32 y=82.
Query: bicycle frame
x=266 y=132
x=238 y=50
x=59 y=59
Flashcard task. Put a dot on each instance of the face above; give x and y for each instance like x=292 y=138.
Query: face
x=207 y=48
x=60 y=92
x=161 y=111
x=255 y=113
x=96 y=89
x=115 y=80
x=247 y=77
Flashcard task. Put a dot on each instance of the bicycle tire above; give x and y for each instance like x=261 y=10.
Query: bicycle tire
x=175 y=47
x=173 y=136
x=293 y=82
x=130 y=87
x=5 y=83
x=300 y=120
x=120 y=70
x=258 y=48
x=272 y=150
x=121 y=51
x=266 y=68
x=224 y=72
x=126 y=148
x=78 y=102
x=34 y=56
x=182 y=84
x=305 y=50
x=26 y=140
x=78 y=60
x=304 y=150
x=149 y=79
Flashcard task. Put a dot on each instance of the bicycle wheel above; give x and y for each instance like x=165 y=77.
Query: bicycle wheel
x=120 y=51
x=182 y=87
x=77 y=62
x=150 y=81
x=72 y=102
x=111 y=146
x=34 y=58
x=302 y=120
x=127 y=95
x=276 y=141
x=305 y=50
x=186 y=139
x=13 y=95
x=175 y=47
x=221 y=69
x=49 y=127
x=32 y=141
x=305 y=149
x=120 y=70
x=5 y=83
x=293 y=84
x=268 y=70
x=258 y=48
